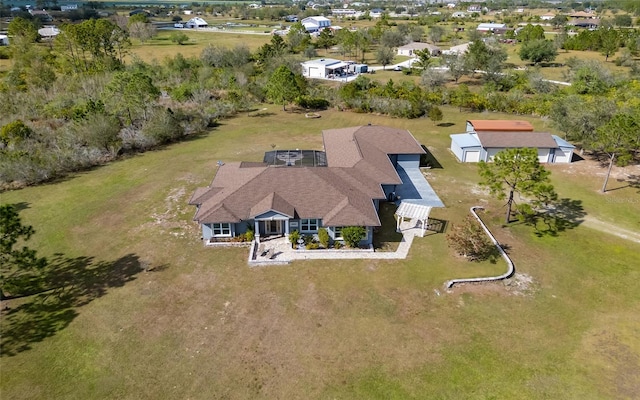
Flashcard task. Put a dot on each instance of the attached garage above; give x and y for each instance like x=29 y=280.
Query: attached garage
x=564 y=152
x=466 y=147
x=472 y=156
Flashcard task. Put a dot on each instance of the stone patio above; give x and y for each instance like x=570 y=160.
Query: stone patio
x=278 y=251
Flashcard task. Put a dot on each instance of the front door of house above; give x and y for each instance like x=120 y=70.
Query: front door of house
x=273 y=227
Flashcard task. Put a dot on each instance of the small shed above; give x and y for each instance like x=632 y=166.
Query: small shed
x=4 y=40
x=359 y=68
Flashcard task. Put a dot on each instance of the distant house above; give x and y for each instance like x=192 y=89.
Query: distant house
x=49 y=32
x=474 y=8
x=588 y=23
x=4 y=40
x=583 y=15
x=316 y=24
x=68 y=7
x=324 y=68
x=196 y=22
x=547 y=17
x=409 y=49
x=306 y=190
x=492 y=28
x=458 y=14
x=343 y=12
x=42 y=15
x=139 y=11
x=457 y=50
x=485 y=138
x=376 y=12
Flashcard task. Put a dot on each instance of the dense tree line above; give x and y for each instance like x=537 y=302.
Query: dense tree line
x=76 y=104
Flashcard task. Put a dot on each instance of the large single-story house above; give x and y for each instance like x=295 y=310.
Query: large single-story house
x=485 y=138
x=305 y=190
x=410 y=49
x=316 y=24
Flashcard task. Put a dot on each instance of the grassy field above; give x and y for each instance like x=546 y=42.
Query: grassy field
x=161 y=46
x=152 y=314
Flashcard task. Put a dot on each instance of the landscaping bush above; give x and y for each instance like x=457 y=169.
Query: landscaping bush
x=249 y=235
x=353 y=235
x=323 y=237
x=312 y=246
x=312 y=103
x=293 y=238
x=468 y=239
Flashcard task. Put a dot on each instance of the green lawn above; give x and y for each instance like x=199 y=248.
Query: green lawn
x=161 y=46
x=152 y=314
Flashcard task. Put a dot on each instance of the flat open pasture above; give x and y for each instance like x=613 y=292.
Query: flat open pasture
x=161 y=46
x=153 y=314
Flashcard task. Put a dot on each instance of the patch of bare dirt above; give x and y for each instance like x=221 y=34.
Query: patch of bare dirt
x=611 y=229
x=169 y=218
x=593 y=167
x=518 y=285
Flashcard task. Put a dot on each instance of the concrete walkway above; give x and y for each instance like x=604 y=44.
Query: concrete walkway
x=280 y=251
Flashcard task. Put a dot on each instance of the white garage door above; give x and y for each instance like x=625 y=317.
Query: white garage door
x=472 y=156
x=314 y=72
x=563 y=156
x=543 y=155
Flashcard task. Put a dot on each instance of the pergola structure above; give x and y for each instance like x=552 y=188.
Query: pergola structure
x=413 y=211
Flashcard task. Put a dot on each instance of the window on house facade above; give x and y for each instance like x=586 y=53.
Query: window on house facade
x=337 y=233
x=309 y=225
x=221 y=229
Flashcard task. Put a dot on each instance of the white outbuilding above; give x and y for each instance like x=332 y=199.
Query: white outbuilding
x=316 y=24
x=323 y=68
x=196 y=23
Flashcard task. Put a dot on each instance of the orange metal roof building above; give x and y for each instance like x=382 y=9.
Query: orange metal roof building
x=500 y=125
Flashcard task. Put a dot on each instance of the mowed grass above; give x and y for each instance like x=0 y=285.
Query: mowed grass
x=161 y=46
x=201 y=324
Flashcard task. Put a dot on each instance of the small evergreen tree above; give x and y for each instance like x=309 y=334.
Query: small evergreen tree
x=352 y=235
x=323 y=237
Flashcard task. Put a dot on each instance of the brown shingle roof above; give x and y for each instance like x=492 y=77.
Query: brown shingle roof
x=340 y=194
x=500 y=125
x=516 y=139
